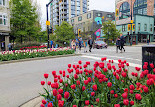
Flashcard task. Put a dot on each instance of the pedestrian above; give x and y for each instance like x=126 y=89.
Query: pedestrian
x=3 y=47
x=73 y=44
x=148 y=41
x=85 y=45
x=10 y=46
x=117 y=44
x=51 y=44
x=80 y=44
x=77 y=44
x=122 y=44
x=90 y=43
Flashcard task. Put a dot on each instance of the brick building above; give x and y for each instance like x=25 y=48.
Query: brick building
x=143 y=15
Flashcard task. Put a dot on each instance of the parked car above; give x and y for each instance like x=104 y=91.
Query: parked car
x=100 y=44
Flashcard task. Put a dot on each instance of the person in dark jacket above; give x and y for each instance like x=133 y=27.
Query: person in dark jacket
x=118 y=44
x=122 y=44
x=90 y=43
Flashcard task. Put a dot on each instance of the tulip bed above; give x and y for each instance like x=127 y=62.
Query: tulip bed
x=23 y=54
x=103 y=86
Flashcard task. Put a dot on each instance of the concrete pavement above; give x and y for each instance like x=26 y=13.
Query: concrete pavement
x=20 y=82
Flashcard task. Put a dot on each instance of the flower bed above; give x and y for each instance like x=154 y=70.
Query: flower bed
x=104 y=86
x=33 y=47
x=23 y=54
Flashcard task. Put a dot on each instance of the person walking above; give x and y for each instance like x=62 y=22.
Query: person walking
x=148 y=41
x=73 y=44
x=85 y=45
x=80 y=44
x=117 y=44
x=10 y=46
x=90 y=43
x=52 y=44
x=76 y=45
x=122 y=44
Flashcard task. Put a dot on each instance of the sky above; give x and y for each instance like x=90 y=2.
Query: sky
x=103 y=5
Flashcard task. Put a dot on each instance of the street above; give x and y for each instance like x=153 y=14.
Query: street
x=20 y=82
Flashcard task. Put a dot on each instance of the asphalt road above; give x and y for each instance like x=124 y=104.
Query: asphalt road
x=20 y=81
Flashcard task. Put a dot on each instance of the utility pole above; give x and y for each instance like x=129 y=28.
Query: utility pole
x=48 y=21
x=131 y=26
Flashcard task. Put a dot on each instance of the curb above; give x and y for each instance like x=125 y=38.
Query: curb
x=38 y=58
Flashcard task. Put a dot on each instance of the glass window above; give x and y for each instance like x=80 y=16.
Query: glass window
x=145 y=27
x=1 y=20
x=124 y=10
x=138 y=26
x=109 y=16
x=140 y=7
x=0 y=2
x=72 y=20
x=80 y=18
x=5 y=19
x=99 y=14
x=151 y=27
x=88 y=15
x=123 y=28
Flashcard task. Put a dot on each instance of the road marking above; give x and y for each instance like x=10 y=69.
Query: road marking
x=113 y=56
x=115 y=61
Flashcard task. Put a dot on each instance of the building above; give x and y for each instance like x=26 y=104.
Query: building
x=143 y=15
x=4 y=24
x=63 y=11
x=91 y=22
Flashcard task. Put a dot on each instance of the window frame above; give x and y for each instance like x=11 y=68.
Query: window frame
x=4 y=18
x=145 y=27
x=88 y=15
x=139 y=26
x=79 y=18
x=151 y=28
x=3 y=3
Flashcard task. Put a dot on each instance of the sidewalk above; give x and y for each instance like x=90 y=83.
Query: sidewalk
x=142 y=44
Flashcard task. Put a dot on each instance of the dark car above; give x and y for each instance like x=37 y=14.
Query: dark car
x=100 y=44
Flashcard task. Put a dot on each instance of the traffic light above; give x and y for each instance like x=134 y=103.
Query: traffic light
x=79 y=32
x=117 y=12
x=129 y=27
x=133 y=27
x=51 y=30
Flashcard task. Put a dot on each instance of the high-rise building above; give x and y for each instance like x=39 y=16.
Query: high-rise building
x=63 y=11
x=4 y=24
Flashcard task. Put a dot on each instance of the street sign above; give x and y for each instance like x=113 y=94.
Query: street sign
x=47 y=22
x=103 y=17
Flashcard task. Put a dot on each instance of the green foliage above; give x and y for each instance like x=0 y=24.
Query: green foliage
x=63 y=33
x=110 y=31
x=33 y=54
x=24 y=20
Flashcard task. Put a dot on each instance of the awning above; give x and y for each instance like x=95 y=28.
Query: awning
x=146 y=33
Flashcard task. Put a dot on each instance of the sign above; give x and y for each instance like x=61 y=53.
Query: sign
x=117 y=12
x=47 y=22
x=103 y=17
x=131 y=21
x=129 y=27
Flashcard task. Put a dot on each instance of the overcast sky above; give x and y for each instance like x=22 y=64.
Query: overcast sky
x=104 y=5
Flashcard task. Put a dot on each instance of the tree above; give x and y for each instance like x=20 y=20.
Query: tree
x=110 y=31
x=64 y=33
x=23 y=20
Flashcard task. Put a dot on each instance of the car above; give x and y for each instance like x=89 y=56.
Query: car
x=100 y=44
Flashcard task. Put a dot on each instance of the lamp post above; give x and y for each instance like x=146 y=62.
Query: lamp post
x=47 y=20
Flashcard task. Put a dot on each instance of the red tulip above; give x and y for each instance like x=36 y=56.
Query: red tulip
x=131 y=87
x=75 y=76
x=83 y=88
x=125 y=101
x=60 y=91
x=67 y=76
x=126 y=90
x=59 y=96
x=50 y=105
x=145 y=63
x=117 y=77
x=55 y=92
x=90 y=71
x=44 y=101
x=112 y=91
x=97 y=100
x=73 y=86
x=69 y=65
x=66 y=95
x=58 y=76
x=92 y=93
x=105 y=69
x=78 y=82
x=114 y=73
x=152 y=65
x=136 y=74
x=60 y=103
x=146 y=89
x=137 y=68
x=116 y=105
x=125 y=95
x=80 y=62
x=46 y=75
x=94 y=87
x=109 y=84
x=54 y=72
x=138 y=96
x=86 y=82
x=131 y=102
x=74 y=105
x=85 y=65
x=88 y=63
x=131 y=91
x=42 y=82
x=87 y=102
x=89 y=79
x=127 y=64
x=115 y=95
x=49 y=82
x=144 y=66
x=42 y=105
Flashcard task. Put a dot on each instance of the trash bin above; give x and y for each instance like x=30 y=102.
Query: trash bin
x=148 y=55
